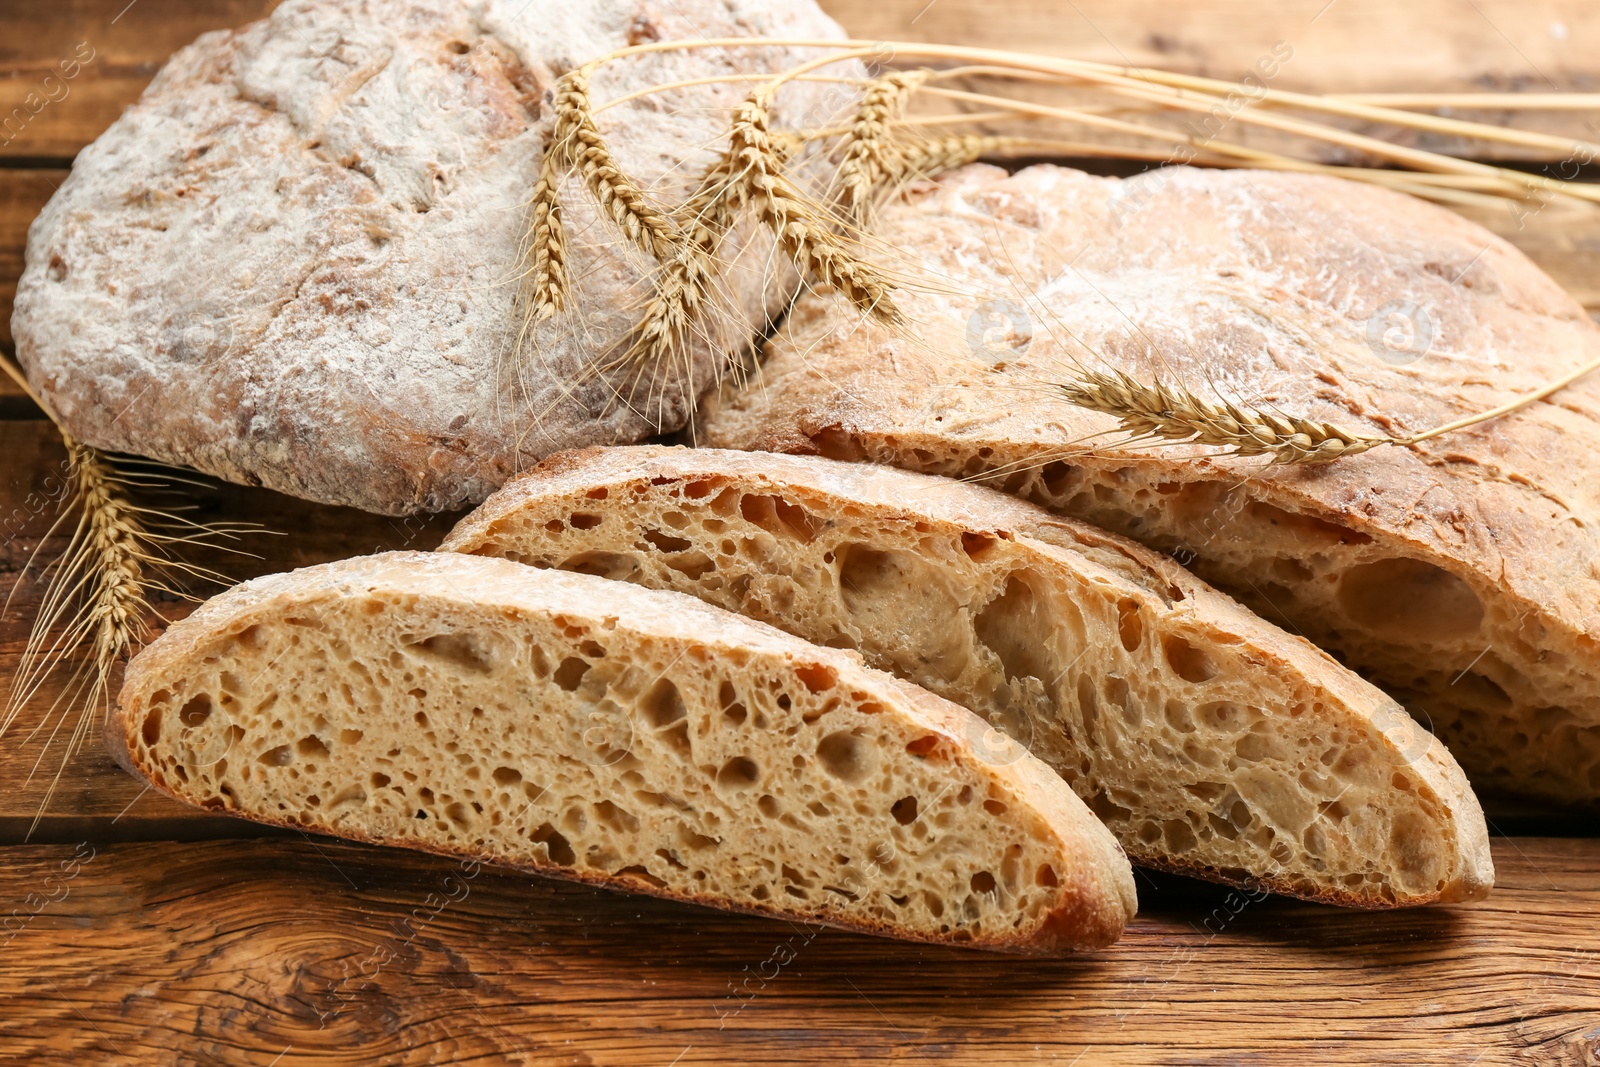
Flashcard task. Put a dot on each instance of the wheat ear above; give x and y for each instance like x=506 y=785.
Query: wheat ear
x=549 y=283
x=801 y=230
x=870 y=154
x=577 y=139
x=1175 y=414
x=683 y=286
x=98 y=590
x=924 y=159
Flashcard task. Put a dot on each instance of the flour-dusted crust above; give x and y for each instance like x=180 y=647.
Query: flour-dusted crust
x=294 y=261
x=621 y=736
x=1463 y=575
x=1210 y=742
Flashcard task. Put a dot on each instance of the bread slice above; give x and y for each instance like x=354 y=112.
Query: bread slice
x=622 y=736
x=1463 y=575
x=1210 y=742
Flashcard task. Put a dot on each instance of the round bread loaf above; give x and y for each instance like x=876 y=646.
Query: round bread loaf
x=295 y=261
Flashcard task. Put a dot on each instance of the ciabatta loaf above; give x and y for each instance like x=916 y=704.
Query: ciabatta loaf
x=1210 y=742
x=602 y=732
x=1462 y=574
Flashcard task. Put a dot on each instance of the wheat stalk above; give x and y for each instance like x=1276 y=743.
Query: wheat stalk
x=97 y=594
x=871 y=154
x=927 y=158
x=802 y=232
x=549 y=282
x=1172 y=412
x=684 y=285
x=576 y=140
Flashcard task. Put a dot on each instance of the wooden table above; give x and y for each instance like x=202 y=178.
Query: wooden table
x=133 y=930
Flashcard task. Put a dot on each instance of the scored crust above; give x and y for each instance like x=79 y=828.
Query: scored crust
x=1463 y=574
x=1210 y=742
x=619 y=736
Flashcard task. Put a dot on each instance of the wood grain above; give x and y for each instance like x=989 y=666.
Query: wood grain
x=94 y=796
x=117 y=47
x=1344 y=46
x=23 y=194
x=309 y=951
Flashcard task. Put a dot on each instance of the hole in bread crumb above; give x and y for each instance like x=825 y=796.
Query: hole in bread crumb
x=1014 y=626
x=923 y=745
x=977 y=545
x=845 y=756
x=666 y=542
x=1130 y=627
x=983 y=882
x=1047 y=876
x=312 y=746
x=994 y=807
x=740 y=772
x=641 y=874
x=379 y=781
x=619 y=819
x=769 y=806
x=618 y=566
x=470 y=651
x=151 y=730
x=507 y=776
x=556 y=846
x=663 y=704
x=350 y=737
x=584 y=520
x=1188 y=662
x=779 y=517
x=1410 y=600
x=816 y=677
x=904 y=811
x=1178 y=717
x=570 y=673
x=196 y=711
x=276 y=757
x=1221 y=715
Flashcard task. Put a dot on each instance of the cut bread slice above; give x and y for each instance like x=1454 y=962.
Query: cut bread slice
x=622 y=736
x=1463 y=574
x=1210 y=742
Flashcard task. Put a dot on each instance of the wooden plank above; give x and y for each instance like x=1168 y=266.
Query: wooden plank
x=94 y=796
x=1561 y=236
x=309 y=951
x=1344 y=46
x=67 y=69
x=23 y=194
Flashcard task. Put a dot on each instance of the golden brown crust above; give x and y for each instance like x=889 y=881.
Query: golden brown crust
x=1272 y=289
